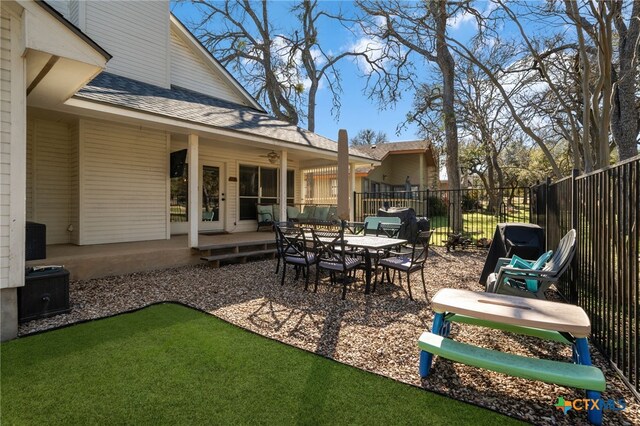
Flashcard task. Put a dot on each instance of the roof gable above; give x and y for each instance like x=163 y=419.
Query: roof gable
x=194 y=68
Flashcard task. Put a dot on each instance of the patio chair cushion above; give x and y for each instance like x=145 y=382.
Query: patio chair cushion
x=292 y=212
x=401 y=263
x=311 y=258
x=276 y=213
x=517 y=262
x=350 y=262
x=321 y=213
x=265 y=213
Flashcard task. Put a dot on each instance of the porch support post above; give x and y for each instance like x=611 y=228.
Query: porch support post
x=343 y=175
x=283 y=185
x=352 y=188
x=422 y=182
x=193 y=193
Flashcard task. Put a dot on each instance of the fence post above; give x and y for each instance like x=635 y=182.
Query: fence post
x=425 y=203
x=574 y=225
x=355 y=212
x=547 y=184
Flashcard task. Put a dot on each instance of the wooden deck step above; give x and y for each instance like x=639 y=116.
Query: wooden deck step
x=236 y=244
x=561 y=373
x=238 y=255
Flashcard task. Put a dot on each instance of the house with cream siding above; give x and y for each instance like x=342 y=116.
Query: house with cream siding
x=416 y=160
x=397 y=161
x=97 y=98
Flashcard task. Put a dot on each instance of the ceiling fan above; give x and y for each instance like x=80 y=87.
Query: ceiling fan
x=274 y=157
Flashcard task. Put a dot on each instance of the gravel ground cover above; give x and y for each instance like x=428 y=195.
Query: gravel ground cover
x=376 y=332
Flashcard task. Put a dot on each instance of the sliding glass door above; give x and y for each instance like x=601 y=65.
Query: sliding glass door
x=258 y=184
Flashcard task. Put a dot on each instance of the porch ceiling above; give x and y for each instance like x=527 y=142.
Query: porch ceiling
x=305 y=159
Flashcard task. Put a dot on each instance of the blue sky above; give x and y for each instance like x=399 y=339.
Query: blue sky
x=357 y=111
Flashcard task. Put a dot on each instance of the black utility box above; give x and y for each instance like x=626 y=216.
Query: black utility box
x=35 y=241
x=45 y=294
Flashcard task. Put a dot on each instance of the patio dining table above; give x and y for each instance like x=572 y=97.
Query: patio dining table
x=368 y=243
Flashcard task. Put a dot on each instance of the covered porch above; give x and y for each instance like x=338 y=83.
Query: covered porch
x=99 y=172
x=103 y=260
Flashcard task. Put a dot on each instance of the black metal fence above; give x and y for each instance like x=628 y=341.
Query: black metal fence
x=604 y=208
x=481 y=210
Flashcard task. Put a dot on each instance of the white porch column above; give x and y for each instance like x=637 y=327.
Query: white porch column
x=193 y=193
x=352 y=187
x=343 y=175
x=283 y=185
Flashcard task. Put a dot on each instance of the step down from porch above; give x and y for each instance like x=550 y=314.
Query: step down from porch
x=239 y=254
x=239 y=251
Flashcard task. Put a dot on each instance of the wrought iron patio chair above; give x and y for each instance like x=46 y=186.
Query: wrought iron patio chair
x=389 y=230
x=408 y=262
x=280 y=244
x=355 y=228
x=297 y=249
x=511 y=280
x=334 y=257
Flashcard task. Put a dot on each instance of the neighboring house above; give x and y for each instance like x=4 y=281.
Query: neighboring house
x=416 y=160
x=383 y=183
x=96 y=96
x=466 y=181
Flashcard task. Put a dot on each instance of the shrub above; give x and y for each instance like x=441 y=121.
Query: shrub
x=470 y=202
x=436 y=206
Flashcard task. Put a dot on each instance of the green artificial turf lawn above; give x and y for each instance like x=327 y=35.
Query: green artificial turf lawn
x=173 y=365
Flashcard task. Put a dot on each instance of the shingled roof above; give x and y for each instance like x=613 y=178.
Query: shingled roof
x=183 y=104
x=381 y=150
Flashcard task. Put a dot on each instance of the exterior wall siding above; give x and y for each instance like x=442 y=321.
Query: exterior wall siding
x=74 y=12
x=61 y=6
x=48 y=177
x=30 y=172
x=396 y=168
x=123 y=183
x=136 y=33
x=191 y=72
x=13 y=155
x=74 y=183
x=5 y=144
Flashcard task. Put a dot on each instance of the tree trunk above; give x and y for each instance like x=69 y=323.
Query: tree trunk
x=446 y=65
x=311 y=107
x=499 y=175
x=490 y=183
x=624 y=118
x=574 y=14
x=602 y=95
